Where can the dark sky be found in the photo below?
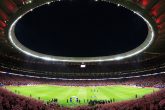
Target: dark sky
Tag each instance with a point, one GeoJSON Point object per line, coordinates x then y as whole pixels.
{"type": "Point", "coordinates": [81, 29]}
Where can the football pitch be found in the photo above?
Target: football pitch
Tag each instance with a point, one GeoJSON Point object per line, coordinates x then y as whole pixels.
{"type": "Point", "coordinates": [84, 94]}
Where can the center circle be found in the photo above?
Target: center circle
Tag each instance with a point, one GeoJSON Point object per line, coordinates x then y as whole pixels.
{"type": "Point", "coordinates": [81, 29]}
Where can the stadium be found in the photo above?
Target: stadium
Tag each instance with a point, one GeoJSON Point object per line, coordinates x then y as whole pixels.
{"type": "Point", "coordinates": [82, 55]}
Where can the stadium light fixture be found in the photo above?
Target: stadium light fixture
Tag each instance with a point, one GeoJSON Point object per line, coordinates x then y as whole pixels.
{"type": "Point", "coordinates": [83, 66]}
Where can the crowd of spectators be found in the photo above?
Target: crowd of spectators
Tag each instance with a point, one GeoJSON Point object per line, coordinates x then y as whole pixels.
{"type": "Point", "coordinates": [7, 79]}
{"type": "Point", "coordinates": [155, 101]}
{"type": "Point", "coordinates": [11, 101]}
{"type": "Point", "coordinates": [157, 81]}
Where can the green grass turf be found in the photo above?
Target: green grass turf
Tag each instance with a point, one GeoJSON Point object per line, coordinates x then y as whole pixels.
{"type": "Point", "coordinates": [62, 93]}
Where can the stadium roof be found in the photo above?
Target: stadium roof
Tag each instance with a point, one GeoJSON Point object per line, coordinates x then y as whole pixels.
{"type": "Point", "coordinates": [15, 55]}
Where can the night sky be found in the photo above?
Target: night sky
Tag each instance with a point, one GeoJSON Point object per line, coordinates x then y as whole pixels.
{"type": "Point", "coordinates": [81, 29]}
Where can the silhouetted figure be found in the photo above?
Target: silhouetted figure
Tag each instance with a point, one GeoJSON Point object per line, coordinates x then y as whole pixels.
{"type": "Point", "coordinates": [136, 96]}
{"type": "Point", "coordinates": [71, 100]}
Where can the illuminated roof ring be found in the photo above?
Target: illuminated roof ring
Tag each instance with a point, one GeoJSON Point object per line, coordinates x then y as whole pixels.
{"type": "Point", "coordinates": [137, 10]}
